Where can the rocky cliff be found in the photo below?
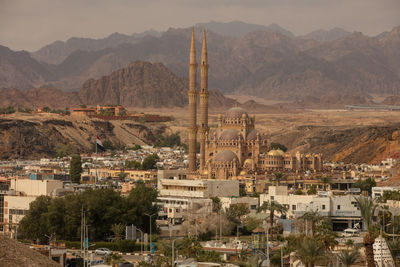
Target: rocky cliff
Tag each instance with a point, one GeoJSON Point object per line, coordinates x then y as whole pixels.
{"type": "Point", "coordinates": [35, 136]}
{"type": "Point", "coordinates": [359, 144]}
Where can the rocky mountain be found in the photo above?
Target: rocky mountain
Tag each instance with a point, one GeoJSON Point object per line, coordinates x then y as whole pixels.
{"type": "Point", "coordinates": [56, 52]}
{"type": "Point", "coordinates": [19, 69]}
{"type": "Point", "coordinates": [141, 84]}
{"type": "Point", "coordinates": [327, 35]}
{"type": "Point", "coordinates": [239, 28]}
{"type": "Point", "coordinates": [262, 63]}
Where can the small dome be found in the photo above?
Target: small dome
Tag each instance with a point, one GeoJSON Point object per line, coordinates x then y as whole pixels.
{"type": "Point", "coordinates": [252, 135]}
{"type": "Point", "coordinates": [276, 152]}
{"type": "Point", "coordinates": [226, 156]}
{"type": "Point", "coordinates": [229, 134]}
{"type": "Point", "coordinates": [243, 173]}
{"type": "Point", "coordinates": [248, 162]}
{"type": "Point", "coordinates": [235, 113]}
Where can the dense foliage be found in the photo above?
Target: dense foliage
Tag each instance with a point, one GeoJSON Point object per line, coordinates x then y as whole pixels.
{"type": "Point", "coordinates": [75, 168]}
{"type": "Point", "coordinates": [7, 110]}
{"type": "Point", "coordinates": [149, 162]}
{"type": "Point", "coordinates": [171, 140]}
{"type": "Point", "coordinates": [104, 208]}
{"type": "Point", "coordinates": [278, 146]}
{"type": "Point", "coordinates": [365, 185]}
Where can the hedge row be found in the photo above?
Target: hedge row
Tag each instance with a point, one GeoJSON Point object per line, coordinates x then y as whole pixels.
{"type": "Point", "coordinates": [124, 246]}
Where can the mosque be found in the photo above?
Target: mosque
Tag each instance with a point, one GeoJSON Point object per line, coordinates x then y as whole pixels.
{"type": "Point", "coordinates": [235, 149]}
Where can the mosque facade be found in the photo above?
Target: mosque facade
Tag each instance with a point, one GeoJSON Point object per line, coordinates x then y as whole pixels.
{"type": "Point", "coordinates": [235, 149]}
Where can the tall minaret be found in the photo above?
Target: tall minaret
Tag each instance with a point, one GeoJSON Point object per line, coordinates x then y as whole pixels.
{"type": "Point", "coordinates": [203, 103]}
{"type": "Point", "coordinates": [192, 106]}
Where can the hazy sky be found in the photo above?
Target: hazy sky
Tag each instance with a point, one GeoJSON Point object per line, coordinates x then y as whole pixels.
{"type": "Point", "coordinates": [30, 24]}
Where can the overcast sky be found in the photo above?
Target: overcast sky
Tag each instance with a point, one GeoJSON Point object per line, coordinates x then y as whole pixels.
{"type": "Point", "coordinates": [31, 24]}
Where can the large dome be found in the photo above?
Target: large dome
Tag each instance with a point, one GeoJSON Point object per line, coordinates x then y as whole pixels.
{"type": "Point", "coordinates": [235, 113]}
{"type": "Point", "coordinates": [229, 134]}
{"type": "Point", "coordinates": [276, 152]}
{"type": "Point", "coordinates": [252, 135]}
{"type": "Point", "coordinates": [226, 156]}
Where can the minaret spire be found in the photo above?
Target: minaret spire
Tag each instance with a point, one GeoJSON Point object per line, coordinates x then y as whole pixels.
{"type": "Point", "coordinates": [192, 105]}
{"type": "Point", "coordinates": [204, 49]}
{"type": "Point", "coordinates": [203, 103]}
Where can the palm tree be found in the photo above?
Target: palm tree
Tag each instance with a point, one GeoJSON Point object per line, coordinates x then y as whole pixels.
{"type": "Point", "coordinates": [313, 217]}
{"type": "Point", "coordinates": [118, 230]}
{"type": "Point", "coordinates": [348, 258]}
{"type": "Point", "coordinates": [278, 177]}
{"type": "Point", "coordinates": [272, 206]}
{"type": "Point", "coordinates": [367, 208]}
{"type": "Point", "coordinates": [309, 251]}
{"type": "Point", "coordinates": [325, 181]}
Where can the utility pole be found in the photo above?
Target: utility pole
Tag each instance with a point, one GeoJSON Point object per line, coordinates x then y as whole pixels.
{"type": "Point", "coordinates": [150, 215]}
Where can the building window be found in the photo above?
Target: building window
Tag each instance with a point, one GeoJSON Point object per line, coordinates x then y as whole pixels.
{"type": "Point", "coordinates": [293, 207]}
{"type": "Point", "coordinates": [253, 207]}
{"type": "Point", "coordinates": [338, 207]}
{"type": "Point", "coordinates": [323, 207]}
{"type": "Point", "coordinates": [272, 197]}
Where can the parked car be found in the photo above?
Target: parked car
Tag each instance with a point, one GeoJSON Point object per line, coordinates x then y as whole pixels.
{"type": "Point", "coordinates": [125, 264]}
{"type": "Point", "coordinates": [351, 232]}
{"type": "Point", "coordinates": [103, 251]}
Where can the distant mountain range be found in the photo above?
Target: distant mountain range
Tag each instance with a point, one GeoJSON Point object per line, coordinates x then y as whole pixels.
{"type": "Point", "coordinates": [140, 84]}
{"type": "Point", "coordinates": [263, 62]}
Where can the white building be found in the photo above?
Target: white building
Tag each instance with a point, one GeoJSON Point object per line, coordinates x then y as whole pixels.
{"type": "Point", "coordinates": [15, 208]}
{"type": "Point", "coordinates": [177, 194]}
{"type": "Point", "coordinates": [251, 202]}
{"type": "Point", "coordinates": [35, 187]}
{"type": "Point", "coordinates": [382, 255]}
{"type": "Point", "coordinates": [342, 209]}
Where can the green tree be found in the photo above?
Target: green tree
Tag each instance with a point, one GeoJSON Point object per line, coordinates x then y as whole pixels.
{"type": "Point", "coordinates": [46, 109]}
{"type": "Point", "coordinates": [235, 213]}
{"type": "Point", "coordinates": [242, 191]}
{"type": "Point", "coordinates": [298, 192]}
{"type": "Point", "coordinates": [367, 208]}
{"type": "Point", "coordinates": [313, 217]}
{"type": "Point", "coordinates": [252, 223]}
{"type": "Point", "coordinates": [273, 207]}
{"type": "Point", "coordinates": [365, 185]}
{"type": "Point", "coordinates": [278, 146]}
{"type": "Point", "coordinates": [312, 190]}
{"type": "Point", "coordinates": [63, 150]}
{"type": "Point", "coordinates": [216, 202]}
{"type": "Point", "coordinates": [35, 224]}
{"type": "Point", "coordinates": [149, 162]}
{"type": "Point", "coordinates": [7, 110]}
{"type": "Point", "coordinates": [325, 181]}
{"type": "Point", "coordinates": [75, 169]}
{"type": "Point", "coordinates": [133, 164]}
{"type": "Point", "coordinates": [108, 145]}
{"type": "Point", "coordinates": [348, 258]}
{"type": "Point", "coordinates": [141, 200]}
{"type": "Point", "coordinates": [310, 251]}
{"type": "Point", "coordinates": [278, 178]}
{"type": "Point", "coordinates": [122, 175]}
{"type": "Point", "coordinates": [118, 231]}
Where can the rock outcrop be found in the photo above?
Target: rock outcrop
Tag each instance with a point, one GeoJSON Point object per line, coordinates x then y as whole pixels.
{"type": "Point", "coordinates": [35, 136]}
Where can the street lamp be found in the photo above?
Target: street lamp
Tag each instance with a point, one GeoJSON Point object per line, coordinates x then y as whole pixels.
{"type": "Point", "coordinates": [150, 215]}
